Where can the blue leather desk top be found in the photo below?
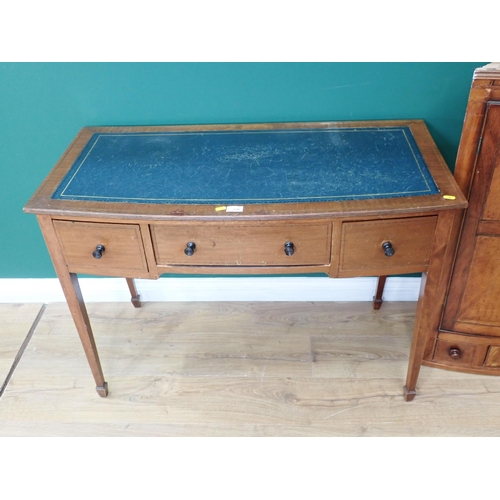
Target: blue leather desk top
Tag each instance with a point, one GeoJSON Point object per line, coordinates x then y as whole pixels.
{"type": "Point", "coordinates": [242, 167]}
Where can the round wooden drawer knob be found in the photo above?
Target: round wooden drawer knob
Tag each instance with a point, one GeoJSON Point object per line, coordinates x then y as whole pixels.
{"type": "Point", "coordinates": [289, 248]}
{"type": "Point", "coordinates": [455, 353]}
{"type": "Point", "coordinates": [190, 248]}
{"type": "Point", "coordinates": [388, 249]}
{"type": "Point", "coordinates": [99, 250]}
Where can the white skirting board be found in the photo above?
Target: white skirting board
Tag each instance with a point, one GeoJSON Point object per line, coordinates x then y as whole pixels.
{"type": "Point", "coordinates": [284, 289]}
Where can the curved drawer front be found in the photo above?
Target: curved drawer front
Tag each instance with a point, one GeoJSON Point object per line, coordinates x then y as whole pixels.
{"type": "Point", "coordinates": [493, 357]}
{"type": "Point", "coordinates": [407, 248]}
{"type": "Point", "coordinates": [453, 353]}
{"type": "Point", "coordinates": [242, 244]}
{"type": "Point", "coordinates": [469, 353]}
{"type": "Point", "coordinates": [123, 253]}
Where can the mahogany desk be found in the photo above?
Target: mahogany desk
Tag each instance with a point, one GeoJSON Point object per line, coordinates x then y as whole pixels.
{"type": "Point", "coordinates": [346, 199]}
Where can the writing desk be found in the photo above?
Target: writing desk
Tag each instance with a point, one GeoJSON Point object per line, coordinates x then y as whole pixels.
{"type": "Point", "coordinates": [346, 199]}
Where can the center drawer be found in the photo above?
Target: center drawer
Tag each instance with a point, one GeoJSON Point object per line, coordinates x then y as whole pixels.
{"type": "Point", "coordinates": [242, 244]}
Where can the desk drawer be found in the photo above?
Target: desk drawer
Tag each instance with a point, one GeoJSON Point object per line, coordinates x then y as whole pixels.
{"type": "Point", "coordinates": [248, 244]}
{"type": "Point", "coordinates": [123, 253]}
{"type": "Point", "coordinates": [409, 241]}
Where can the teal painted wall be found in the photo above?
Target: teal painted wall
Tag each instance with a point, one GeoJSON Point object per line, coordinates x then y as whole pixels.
{"type": "Point", "coordinates": [44, 105]}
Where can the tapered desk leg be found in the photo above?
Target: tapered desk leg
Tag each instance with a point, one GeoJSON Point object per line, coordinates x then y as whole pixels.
{"type": "Point", "coordinates": [74, 299]}
{"type": "Point", "coordinates": [432, 296]}
{"type": "Point", "coordinates": [136, 298]}
{"type": "Point", "coordinates": [377, 300]}
{"type": "Point", "coordinates": [80, 317]}
{"type": "Point", "coordinates": [417, 344]}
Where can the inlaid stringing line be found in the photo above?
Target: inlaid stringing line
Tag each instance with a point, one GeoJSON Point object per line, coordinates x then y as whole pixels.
{"type": "Point", "coordinates": [269, 199]}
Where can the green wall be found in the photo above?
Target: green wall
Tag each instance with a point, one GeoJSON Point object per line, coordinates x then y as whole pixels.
{"type": "Point", "coordinates": [44, 105]}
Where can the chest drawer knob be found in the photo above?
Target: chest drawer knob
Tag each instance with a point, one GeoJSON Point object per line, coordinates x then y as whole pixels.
{"type": "Point", "coordinates": [99, 250]}
{"type": "Point", "coordinates": [289, 248]}
{"type": "Point", "coordinates": [190, 248]}
{"type": "Point", "coordinates": [455, 353]}
{"type": "Point", "coordinates": [388, 249]}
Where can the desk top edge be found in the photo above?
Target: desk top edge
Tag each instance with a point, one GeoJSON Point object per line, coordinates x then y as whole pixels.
{"type": "Point", "coordinates": [208, 127]}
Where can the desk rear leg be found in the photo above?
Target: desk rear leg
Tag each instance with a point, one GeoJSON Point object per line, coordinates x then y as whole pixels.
{"type": "Point", "coordinates": [377, 300]}
{"type": "Point", "coordinates": [136, 298]}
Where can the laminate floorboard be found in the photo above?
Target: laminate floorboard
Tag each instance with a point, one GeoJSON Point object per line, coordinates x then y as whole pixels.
{"type": "Point", "coordinates": [239, 369]}
{"type": "Point", "coordinates": [15, 323]}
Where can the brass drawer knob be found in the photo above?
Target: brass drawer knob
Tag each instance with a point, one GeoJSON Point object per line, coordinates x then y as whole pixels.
{"type": "Point", "coordinates": [190, 248]}
{"type": "Point", "coordinates": [289, 248]}
{"type": "Point", "coordinates": [99, 250]}
{"type": "Point", "coordinates": [388, 249]}
{"type": "Point", "coordinates": [455, 353]}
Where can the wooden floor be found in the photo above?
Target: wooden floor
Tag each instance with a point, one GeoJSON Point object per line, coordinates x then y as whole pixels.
{"type": "Point", "coordinates": [233, 369]}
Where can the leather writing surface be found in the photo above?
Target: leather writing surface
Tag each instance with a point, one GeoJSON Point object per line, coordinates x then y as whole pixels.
{"type": "Point", "coordinates": [242, 167]}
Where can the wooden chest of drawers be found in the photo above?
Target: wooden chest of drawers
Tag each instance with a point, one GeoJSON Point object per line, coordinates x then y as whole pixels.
{"type": "Point", "coordinates": [468, 338]}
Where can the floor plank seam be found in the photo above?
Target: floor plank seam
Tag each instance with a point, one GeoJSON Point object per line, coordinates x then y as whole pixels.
{"type": "Point", "coordinates": [22, 349]}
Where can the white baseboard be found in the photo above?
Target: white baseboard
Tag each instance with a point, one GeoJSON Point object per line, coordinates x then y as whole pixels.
{"type": "Point", "coordinates": [293, 289]}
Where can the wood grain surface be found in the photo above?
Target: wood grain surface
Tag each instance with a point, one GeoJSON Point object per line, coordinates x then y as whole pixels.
{"type": "Point", "coordinates": [238, 369]}
{"type": "Point", "coordinates": [15, 323]}
{"type": "Point", "coordinates": [236, 244]}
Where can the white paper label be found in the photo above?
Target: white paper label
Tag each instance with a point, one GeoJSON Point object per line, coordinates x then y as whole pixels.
{"type": "Point", "coordinates": [234, 208]}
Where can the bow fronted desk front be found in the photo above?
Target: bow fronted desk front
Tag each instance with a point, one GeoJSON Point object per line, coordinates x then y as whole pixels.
{"type": "Point", "coordinates": [340, 198]}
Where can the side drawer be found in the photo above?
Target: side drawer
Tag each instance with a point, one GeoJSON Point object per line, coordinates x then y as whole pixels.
{"type": "Point", "coordinates": [242, 244]}
{"type": "Point", "coordinates": [123, 253]}
{"type": "Point", "coordinates": [493, 357]}
{"type": "Point", "coordinates": [362, 246]}
{"type": "Point", "coordinates": [467, 353]}
{"type": "Point", "coordinates": [452, 353]}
